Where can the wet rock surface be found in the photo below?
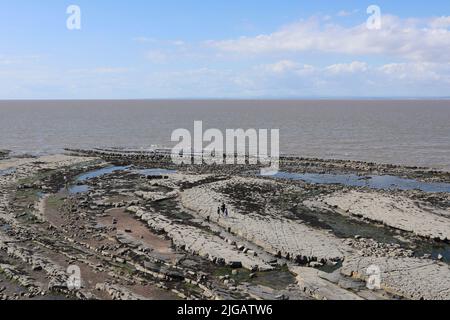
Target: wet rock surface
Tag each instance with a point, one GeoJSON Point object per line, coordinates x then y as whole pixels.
{"type": "Point", "coordinates": [109, 224]}
{"type": "Point", "coordinates": [410, 278]}
{"type": "Point", "coordinates": [4, 154]}
{"type": "Point", "coordinates": [269, 230]}
{"type": "Point", "coordinates": [202, 243]}
{"type": "Point", "coordinates": [394, 211]}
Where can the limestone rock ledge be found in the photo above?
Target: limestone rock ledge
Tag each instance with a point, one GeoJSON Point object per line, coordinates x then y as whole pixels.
{"type": "Point", "coordinates": [411, 278]}
{"type": "Point", "coordinates": [200, 242]}
{"type": "Point", "coordinates": [311, 283]}
{"type": "Point", "coordinates": [277, 235]}
{"type": "Point", "coordinates": [394, 211]}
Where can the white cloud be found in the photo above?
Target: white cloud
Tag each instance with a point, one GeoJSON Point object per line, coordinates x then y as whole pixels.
{"type": "Point", "coordinates": [353, 67]}
{"type": "Point", "coordinates": [291, 78]}
{"type": "Point", "coordinates": [430, 72]}
{"type": "Point", "coordinates": [289, 66]}
{"type": "Point", "coordinates": [283, 78]}
{"type": "Point", "coordinates": [440, 23]}
{"type": "Point", "coordinates": [413, 39]}
{"type": "Point", "coordinates": [157, 57]}
{"type": "Point", "coordinates": [286, 66]}
{"type": "Point", "coordinates": [282, 66]}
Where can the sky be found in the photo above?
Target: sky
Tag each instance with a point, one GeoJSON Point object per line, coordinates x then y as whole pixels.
{"type": "Point", "coordinates": [144, 49]}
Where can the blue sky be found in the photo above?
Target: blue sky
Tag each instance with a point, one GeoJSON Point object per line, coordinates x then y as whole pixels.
{"type": "Point", "coordinates": [223, 49]}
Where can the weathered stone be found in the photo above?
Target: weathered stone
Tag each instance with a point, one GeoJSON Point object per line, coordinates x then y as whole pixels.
{"type": "Point", "coordinates": [309, 281]}
{"type": "Point", "coordinates": [394, 211]}
{"type": "Point", "coordinates": [411, 278]}
{"type": "Point", "coordinates": [200, 242]}
{"type": "Point", "coordinates": [275, 234]}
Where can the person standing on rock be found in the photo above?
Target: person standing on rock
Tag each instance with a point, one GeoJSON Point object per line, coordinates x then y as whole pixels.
{"type": "Point", "coordinates": [225, 212]}
{"type": "Point", "coordinates": [223, 207]}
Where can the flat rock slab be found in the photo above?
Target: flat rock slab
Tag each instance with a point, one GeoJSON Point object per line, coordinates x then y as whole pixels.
{"type": "Point", "coordinates": [119, 293]}
{"type": "Point", "coordinates": [57, 275]}
{"type": "Point", "coordinates": [275, 234]}
{"type": "Point", "coordinates": [200, 242]}
{"type": "Point", "coordinates": [394, 211]}
{"type": "Point", "coordinates": [309, 281]}
{"type": "Point", "coordinates": [260, 292]}
{"type": "Point", "coordinates": [45, 162]}
{"type": "Point", "coordinates": [411, 278]}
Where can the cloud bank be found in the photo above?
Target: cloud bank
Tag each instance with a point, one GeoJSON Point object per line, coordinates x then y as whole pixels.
{"type": "Point", "coordinates": [412, 39]}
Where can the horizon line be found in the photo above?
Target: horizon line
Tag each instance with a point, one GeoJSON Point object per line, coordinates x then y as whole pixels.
{"type": "Point", "coordinates": [238, 99]}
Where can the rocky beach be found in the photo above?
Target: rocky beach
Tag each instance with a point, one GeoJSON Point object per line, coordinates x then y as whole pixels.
{"type": "Point", "coordinates": [135, 226]}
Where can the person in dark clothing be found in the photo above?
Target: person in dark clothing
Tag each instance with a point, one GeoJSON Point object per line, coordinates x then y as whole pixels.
{"type": "Point", "coordinates": [223, 207]}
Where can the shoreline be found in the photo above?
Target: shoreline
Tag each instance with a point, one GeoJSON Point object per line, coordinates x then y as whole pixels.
{"type": "Point", "coordinates": [26, 154]}
{"type": "Point", "coordinates": [149, 234]}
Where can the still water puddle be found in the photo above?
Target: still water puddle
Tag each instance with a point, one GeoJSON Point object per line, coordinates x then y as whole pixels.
{"type": "Point", "coordinates": [100, 172]}
{"type": "Point", "coordinates": [374, 182]}
{"type": "Point", "coordinates": [7, 172]}
{"type": "Point", "coordinates": [82, 188]}
{"type": "Point", "coordinates": [155, 172]}
{"type": "Point", "coordinates": [78, 189]}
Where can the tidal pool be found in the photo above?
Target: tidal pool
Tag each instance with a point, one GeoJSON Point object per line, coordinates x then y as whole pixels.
{"type": "Point", "coordinates": [385, 182]}
{"type": "Point", "coordinates": [100, 172]}
{"type": "Point", "coordinates": [82, 188]}
{"type": "Point", "coordinates": [155, 172]}
{"type": "Point", "coordinates": [7, 171]}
